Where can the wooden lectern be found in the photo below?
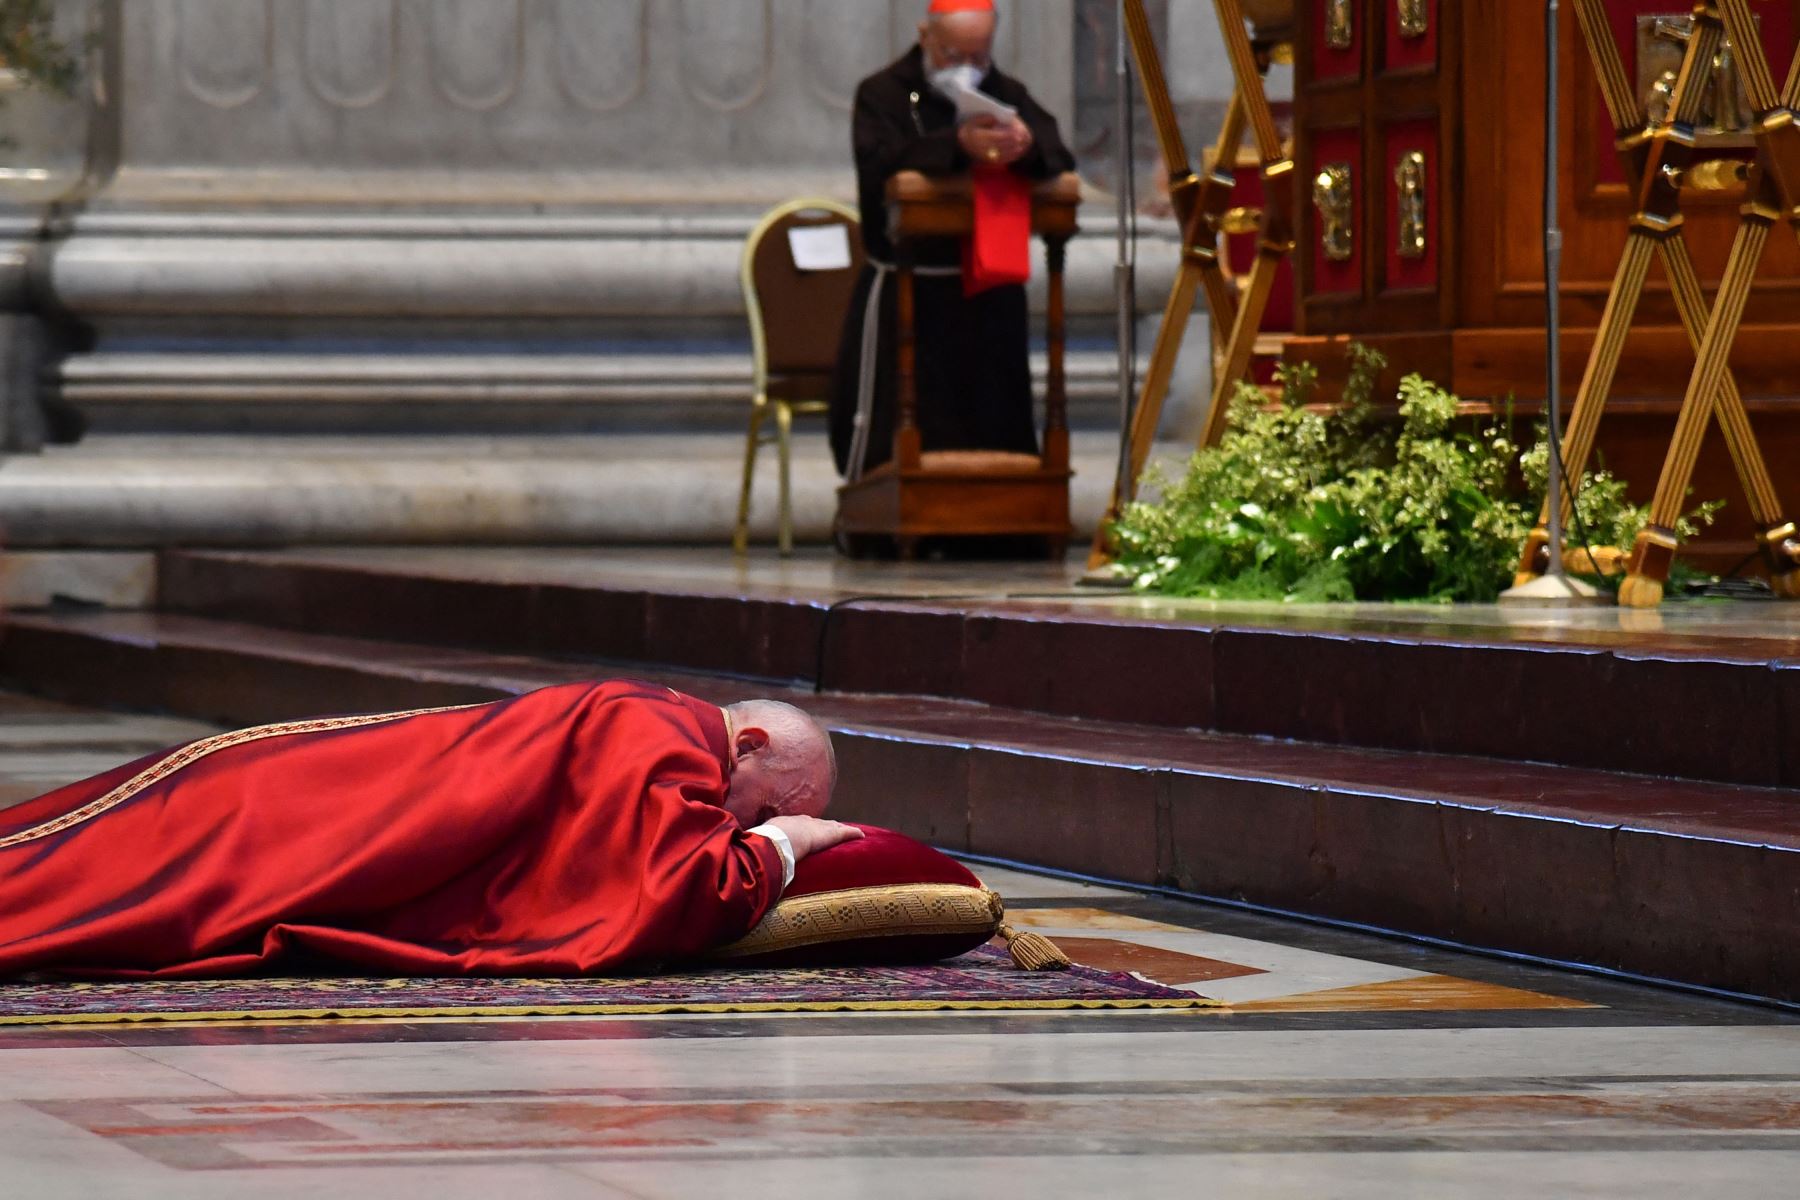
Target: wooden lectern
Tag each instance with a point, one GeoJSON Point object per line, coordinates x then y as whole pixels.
{"type": "Point", "coordinates": [922, 493]}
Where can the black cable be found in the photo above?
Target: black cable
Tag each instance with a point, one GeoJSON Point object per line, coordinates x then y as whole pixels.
{"type": "Point", "coordinates": [1572, 489]}
{"type": "Point", "coordinates": [1742, 563]}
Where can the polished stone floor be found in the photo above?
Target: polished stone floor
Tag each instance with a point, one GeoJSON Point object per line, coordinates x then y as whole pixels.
{"type": "Point", "coordinates": [1346, 1066]}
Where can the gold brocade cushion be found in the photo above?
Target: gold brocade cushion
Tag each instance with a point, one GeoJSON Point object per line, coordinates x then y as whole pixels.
{"type": "Point", "coordinates": [884, 898]}
{"type": "Point", "coordinates": [888, 923]}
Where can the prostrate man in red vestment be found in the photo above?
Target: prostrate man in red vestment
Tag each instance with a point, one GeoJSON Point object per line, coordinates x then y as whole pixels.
{"type": "Point", "coordinates": [564, 832]}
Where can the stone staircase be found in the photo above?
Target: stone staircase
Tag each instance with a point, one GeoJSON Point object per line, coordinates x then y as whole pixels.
{"type": "Point", "coordinates": [1364, 775]}
{"type": "Point", "coordinates": [148, 490]}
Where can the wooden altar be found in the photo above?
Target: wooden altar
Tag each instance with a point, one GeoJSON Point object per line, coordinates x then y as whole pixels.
{"type": "Point", "coordinates": [1420, 150]}
{"type": "Point", "coordinates": [924, 493]}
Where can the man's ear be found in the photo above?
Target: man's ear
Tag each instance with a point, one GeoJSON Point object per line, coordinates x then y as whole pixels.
{"type": "Point", "coordinates": [750, 740]}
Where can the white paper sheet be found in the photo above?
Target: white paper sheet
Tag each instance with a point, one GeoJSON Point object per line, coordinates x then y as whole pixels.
{"type": "Point", "coordinates": [972, 103]}
{"type": "Point", "coordinates": [820, 247]}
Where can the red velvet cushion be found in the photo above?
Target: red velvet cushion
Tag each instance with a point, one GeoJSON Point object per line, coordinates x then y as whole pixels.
{"type": "Point", "coordinates": [886, 933]}
{"type": "Point", "coordinates": [880, 856]}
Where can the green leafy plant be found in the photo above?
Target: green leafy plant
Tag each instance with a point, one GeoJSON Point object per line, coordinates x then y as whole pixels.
{"type": "Point", "coordinates": [1313, 503]}
{"type": "Point", "coordinates": [30, 48]}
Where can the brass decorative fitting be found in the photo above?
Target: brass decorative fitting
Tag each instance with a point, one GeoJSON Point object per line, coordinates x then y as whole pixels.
{"type": "Point", "coordinates": [1654, 553]}
{"type": "Point", "coordinates": [1340, 30]}
{"type": "Point", "coordinates": [1716, 174]}
{"type": "Point", "coordinates": [1537, 552]}
{"type": "Point", "coordinates": [1414, 17]}
{"type": "Point", "coordinates": [1777, 533]}
{"type": "Point", "coordinates": [1781, 545]}
{"type": "Point", "coordinates": [1240, 220]}
{"type": "Point", "coordinates": [1409, 183]}
{"type": "Point", "coordinates": [1724, 115]}
{"type": "Point", "coordinates": [1332, 196]}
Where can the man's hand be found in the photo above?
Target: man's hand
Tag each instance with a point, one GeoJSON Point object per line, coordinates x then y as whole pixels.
{"type": "Point", "coordinates": [988, 139]}
{"type": "Point", "coordinates": [810, 835]}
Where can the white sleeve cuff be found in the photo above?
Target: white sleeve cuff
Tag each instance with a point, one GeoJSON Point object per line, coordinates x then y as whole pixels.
{"type": "Point", "coordinates": [783, 847]}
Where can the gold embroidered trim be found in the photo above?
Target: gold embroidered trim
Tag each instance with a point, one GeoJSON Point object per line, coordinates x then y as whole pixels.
{"type": "Point", "coordinates": [193, 753]}
{"type": "Point", "coordinates": [350, 1013]}
{"type": "Point", "coordinates": [894, 910]}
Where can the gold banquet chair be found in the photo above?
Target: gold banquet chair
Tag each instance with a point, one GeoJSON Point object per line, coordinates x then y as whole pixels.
{"type": "Point", "coordinates": [796, 317]}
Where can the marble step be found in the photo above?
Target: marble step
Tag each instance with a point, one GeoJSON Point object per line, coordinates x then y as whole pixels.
{"type": "Point", "coordinates": [456, 389]}
{"type": "Point", "coordinates": [1669, 879]}
{"type": "Point", "coordinates": [1469, 681]}
{"type": "Point", "coordinates": [275, 490]}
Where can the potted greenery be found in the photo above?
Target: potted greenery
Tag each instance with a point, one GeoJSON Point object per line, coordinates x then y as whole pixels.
{"type": "Point", "coordinates": [1332, 503]}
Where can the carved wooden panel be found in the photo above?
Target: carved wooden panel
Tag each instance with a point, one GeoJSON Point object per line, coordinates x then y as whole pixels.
{"type": "Point", "coordinates": [1339, 29]}
{"type": "Point", "coordinates": [1504, 178]}
{"type": "Point", "coordinates": [1336, 234]}
{"type": "Point", "coordinates": [1410, 41]}
{"type": "Point", "coordinates": [1413, 217]}
{"type": "Point", "coordinates": [1380, 109]}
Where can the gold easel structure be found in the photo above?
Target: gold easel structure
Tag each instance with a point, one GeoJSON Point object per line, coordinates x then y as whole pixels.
{"type": "Point", "coordinates": [1202, 204]}
{"type": "Point", "coordinates": [1660, 158]}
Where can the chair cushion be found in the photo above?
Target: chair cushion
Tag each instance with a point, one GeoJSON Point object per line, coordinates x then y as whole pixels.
{"type": "Point", "coordinates": [980, 462]}
{"type": "Point", "coordinates": [883, 899]}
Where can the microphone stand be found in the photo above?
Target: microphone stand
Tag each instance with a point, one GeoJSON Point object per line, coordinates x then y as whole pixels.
{"type": "Point", "coordinates": [1124, 284]}
{"type": "Point", "coordinates": [1555, 585]}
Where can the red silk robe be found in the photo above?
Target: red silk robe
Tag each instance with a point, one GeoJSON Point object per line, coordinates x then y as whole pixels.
{"type": "Point", "coordinates": [563, 832]}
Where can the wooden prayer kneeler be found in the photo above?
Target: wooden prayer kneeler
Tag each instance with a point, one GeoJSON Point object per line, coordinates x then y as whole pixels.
{"type": "Point", "coordinates": [919, 493]}
{"type": "Point", "coordinates": [1660, 159]}
{"type": "Point", "coordinates": [1202, 206]}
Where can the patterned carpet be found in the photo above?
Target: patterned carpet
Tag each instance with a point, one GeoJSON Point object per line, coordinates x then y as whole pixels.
{"type": "Point", "coordinates": [984, 979]}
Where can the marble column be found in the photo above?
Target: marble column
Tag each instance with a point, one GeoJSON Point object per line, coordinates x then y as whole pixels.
{"type": "Point", "coordinates": [46, 143]}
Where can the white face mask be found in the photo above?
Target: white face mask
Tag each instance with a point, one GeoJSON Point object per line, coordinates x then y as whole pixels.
{"type": "Point", "coordinates": [952, 80]}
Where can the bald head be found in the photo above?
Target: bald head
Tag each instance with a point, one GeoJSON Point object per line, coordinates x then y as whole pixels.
{"type": "Point", "coordinates": [782, 763]}
{"type": "Point", "coordinates": [955, 39]}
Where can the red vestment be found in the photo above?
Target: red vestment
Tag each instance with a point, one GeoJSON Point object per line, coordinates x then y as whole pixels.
{"type": "Point", "coordinates": [563, 832]}
{"type": "Point", "coordinates": [998, 252]}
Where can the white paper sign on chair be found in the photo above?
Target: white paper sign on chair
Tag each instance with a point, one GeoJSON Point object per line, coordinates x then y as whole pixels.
{"type": "Point", "coordinates": [820, 247]}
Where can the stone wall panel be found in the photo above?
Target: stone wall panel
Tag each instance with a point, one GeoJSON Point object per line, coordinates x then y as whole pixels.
{"type": "Point", "coordinates": [226, 49]}
{"type": "Point", "coordinates": [348, 47]}
{"type": "Point", "coordinates": [601, 51]}
{"type": "Point", "coordinates": [840, 42]}
{"type": "Point", "coordinates": [221, 93]}
{"type": "Point", "coordinates": [725, 52]}
{"type": "Point", "coordinates": [477, 48]}
{"type": "Point", "coordinates": [372, 184]}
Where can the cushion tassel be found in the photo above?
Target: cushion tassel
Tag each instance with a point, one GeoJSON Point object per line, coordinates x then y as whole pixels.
{"type": "Point", "coordinates": [1033, 951]}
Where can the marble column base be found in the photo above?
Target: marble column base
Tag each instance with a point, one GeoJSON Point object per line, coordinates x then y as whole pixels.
{"type": "Point", "coordinates": [140, 491]}
{"type": "Point", "coordinates": [450, 391]}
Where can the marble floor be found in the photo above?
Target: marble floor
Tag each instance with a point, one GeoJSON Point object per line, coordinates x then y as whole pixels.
{"type": "Point", "coordinates": [1345, 1066]}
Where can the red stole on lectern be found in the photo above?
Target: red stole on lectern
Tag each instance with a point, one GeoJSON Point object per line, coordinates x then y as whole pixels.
{"type": "Point", "coordinates": [999, 250]}
{"type": "Point", "coordinates": [562, 833]}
